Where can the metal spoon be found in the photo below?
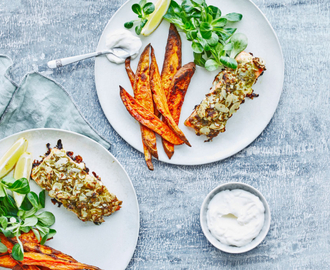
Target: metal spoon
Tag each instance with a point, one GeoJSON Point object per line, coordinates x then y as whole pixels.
{"type": "Point", "coordinates": [117, 51]}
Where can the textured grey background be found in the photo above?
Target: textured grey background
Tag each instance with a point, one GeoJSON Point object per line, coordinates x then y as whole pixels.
{"type": "Point", "coordinates": [288, 163]}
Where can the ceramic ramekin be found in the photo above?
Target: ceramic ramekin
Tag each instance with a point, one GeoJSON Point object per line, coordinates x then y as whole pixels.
{"type": "Point", "coordinates": [215, 242]}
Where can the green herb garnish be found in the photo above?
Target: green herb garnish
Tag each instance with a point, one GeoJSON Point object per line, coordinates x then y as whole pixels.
{"type": "Point", "coordinates": [143, 9]}
{"type": "Point", "coordinates": [15, 220]}
{"type": "Point", "coordinates": [214, 45]}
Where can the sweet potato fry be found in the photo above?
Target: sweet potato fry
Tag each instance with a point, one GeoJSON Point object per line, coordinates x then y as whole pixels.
{"type": "Point", "coordinates": [173, 58]}
{"type": "Point", "coordinates": [142, 94]}
{"type": "Point", "coordinates": [147, 118]}
{"type": "Point", "coordinates": [131, 76]}
{"type": "Point", "coordinates": [7, 261]}
{"type": "Point", "coordinates": [39, 259]}
{"type": "Point", "coordinates": [176, 97]}
{"type": "Point", "coordinates": [160, 98]}
{"type": "Point", "coordinates": [129, 71]}
{"type": "Point", "coordinates": [30, 237]}
{"type": "Point", "coordinates": [148, 158]}
{"type": "Point", "coordinates": [37, 248]}
{"type": "Point", "coordinates": [6, 242]}
{"type": "Point", "coordinates": [26, 267]}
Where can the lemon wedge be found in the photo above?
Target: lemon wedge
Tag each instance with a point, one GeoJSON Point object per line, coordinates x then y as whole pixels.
{"type": "Point", "coordinates": [22, 170]}
{"type": "Point", "coordinates": [156, 17]}
{"type": "Point", "coordinates": [8, 161]}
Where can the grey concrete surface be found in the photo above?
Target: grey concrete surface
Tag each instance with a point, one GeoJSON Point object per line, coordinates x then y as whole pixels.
{"type": "Point", "coordinates": [288, 163]}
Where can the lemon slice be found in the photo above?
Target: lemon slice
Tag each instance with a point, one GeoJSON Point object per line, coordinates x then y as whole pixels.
{"type": "Point", "coordinates": [22, 170]}
{"type": "Point", "coordinates": [156, 17]}
{"type": "Point", "coordinates": [8, 161]}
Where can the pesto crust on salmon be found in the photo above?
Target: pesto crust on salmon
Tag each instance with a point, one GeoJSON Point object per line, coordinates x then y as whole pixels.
{"type": "Point", "coordinates": [229, 90]}
{"type": "Point", "coordinates": [68, 182]}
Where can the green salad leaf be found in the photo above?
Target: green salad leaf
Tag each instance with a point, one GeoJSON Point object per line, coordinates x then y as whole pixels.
{"type": "Point", "coordinates": [213, 43]}
{"type": "Point", "coordinates": [3, 248]}
{"type": "Point", "coordinates": [15, 220]}
{"type": "Point", "coordinates": [143, 9]}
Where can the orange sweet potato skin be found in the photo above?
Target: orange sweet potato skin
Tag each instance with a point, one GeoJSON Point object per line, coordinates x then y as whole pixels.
{"type": "Point", "coordinates": [7, 262]}
{"type": "Point", "coordinates": [29, 237]}
{"type": "Point", "coordinates": [147, 118]}
{"type": "Point", "coordinates": [179, 89]}
{"type": "Point", "coordinates": [28, 267]}
{"type": "Point", "coordinates": [37, 248]}
{"type": "Point", "coordinates": [142, 94]}
{"type": "Point", "coordinates": [173, 58]}
{"type": "Point", "coordinates": [129, 71]}
{"type": "Point", "coordinates": [160, 98]}
{"type": "Point", "coordinates": [32, 258]}
{"type": "Point", "coordinates": [131, 76]}
{"type": "Point", "coordinates": [141, 87]}
{"type": "Point", "coordinates": [38, 257]}
{"type": "Point", "coordinates": [176, 97]}
{"type": "Point", "coordinates": [148, 158]}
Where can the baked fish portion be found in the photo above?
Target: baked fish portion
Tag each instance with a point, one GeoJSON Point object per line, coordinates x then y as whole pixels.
{"type": "Point", "coordinates": [229, 89]}
{"type": "Point", "coordinates": [67, 180]}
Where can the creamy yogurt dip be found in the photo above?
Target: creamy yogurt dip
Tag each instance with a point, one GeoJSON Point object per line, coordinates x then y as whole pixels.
{"type": "Point", "coordinates": [126, 40]}
{"type": "Point", "coordinates": [235, 217]}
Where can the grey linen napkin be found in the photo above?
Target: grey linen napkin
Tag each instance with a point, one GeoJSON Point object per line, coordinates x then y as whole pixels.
{"type": "Point", "coordinates": [38, 102]}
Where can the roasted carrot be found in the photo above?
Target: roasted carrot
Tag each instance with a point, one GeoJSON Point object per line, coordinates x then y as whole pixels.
{"type": "Point", "coordinates": [147, 118]}
{"type": "Point", "coordinates": [160, 98]}
{"type": "Point", "coordinates": [176, 97]}
{"type": "Point", "coordinates": [142, 94]}
{"type": "Point", "coordinates": [131, 76]}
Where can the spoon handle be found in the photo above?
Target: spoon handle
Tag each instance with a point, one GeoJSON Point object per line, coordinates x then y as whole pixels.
{"type": "Point", "coordinates": [68, 60]}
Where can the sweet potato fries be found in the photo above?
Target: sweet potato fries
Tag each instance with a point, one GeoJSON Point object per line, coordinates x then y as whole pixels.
{"type": "Point", "coordinates": [131, 76]}
{"type": "Point", "coordinates": [158, 94]}
{"type": "Point", "coordinates": [38, 257]}
{"type": "Point", "coordinates": [143, 95]}
{"type": "Point", "coordinates": [173, 58]}
{"type": "Point", "coordinates": [160, 98]}
{"type": "Point", "coordinates": [175, 98]}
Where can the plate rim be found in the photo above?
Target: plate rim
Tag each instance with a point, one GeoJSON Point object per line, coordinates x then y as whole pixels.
{"type": "Point", "coordinates": [108, 152]}
{"type": "Point", "coordinates": [168, 161]}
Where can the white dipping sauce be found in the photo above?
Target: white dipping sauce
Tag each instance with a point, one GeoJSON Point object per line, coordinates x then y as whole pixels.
{"type": "Point", "coordinates": [235, 217]}
{"type": "Point", "coordinates": [126, 40]}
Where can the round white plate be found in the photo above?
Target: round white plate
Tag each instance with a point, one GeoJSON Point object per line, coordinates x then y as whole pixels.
{"type": "Point", "coordinates": [110, 245]}
{"type": "Point", "coordinates": [245, 125]}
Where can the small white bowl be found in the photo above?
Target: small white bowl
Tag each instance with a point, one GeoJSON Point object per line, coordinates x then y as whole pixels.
{"type": "Point", "coordinates": [215, 242]}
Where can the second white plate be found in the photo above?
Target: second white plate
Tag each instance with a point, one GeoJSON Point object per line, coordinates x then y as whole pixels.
{"type": "Point", "coordinates": [110, 245]}
{"type": "Point", "coordinates": [245, 125]}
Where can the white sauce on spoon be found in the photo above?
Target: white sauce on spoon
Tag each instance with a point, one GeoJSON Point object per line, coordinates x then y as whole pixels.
{"type": "Point", "coordinates": [235, 217]}
{"type": "Point", "coordinates": [126, 40]}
